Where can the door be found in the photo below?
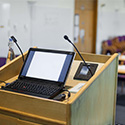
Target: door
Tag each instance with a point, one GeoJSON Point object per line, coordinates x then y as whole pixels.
{"type": "Point", "coordinates": [87, 12]}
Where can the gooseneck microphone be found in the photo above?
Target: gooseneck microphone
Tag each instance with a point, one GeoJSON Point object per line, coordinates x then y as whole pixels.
{"type": "Point", "coordinates": [66, 38]}
{"type": "Point", "coordinates": [15, 41]}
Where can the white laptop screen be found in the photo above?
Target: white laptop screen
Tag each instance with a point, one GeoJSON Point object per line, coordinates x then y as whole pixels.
{"type": "Point", "coordinates": [47, 65]}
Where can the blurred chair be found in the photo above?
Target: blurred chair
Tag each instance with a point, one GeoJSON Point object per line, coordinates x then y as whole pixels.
{"type": "Point", "coordinates": [114, 45]}
{"type": "Point", "coordinates": [2, 61]}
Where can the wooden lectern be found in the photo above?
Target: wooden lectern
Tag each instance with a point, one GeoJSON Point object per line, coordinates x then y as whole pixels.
{"type": "Point", "coordinates": [93, 104]}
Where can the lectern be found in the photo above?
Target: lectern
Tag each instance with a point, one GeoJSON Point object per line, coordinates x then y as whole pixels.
{"type": "Point", "coordinates": [93, 104]}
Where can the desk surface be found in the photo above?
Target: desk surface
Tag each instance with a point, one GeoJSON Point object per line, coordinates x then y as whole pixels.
{"type": "Point", "coordinates": [93, 103]}
{"type": "Point", "coordinates": [70, 83]}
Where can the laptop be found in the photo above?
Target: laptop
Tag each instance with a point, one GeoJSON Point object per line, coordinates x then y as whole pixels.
{"type": "Point", "coordinates": [43, 74]}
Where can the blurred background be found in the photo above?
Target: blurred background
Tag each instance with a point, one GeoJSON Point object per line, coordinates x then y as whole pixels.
{"type": "Point", "coordinates": [95, 26]}
{"type": "Point", "coordinates": [43, 23]}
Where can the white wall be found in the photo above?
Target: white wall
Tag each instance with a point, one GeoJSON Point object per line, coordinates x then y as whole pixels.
{"type": "Point", "coordinates": [40, 24]}
{"type": "Point", "coordinates": [111, 21]}
{"type": "Point", "coordinates": [4, 27]}
{"type": "Point", "coordinates": [17, 24]}
{"type": "Point", "coordinates": [51, 21]}
{"type": "Point", "coordinates": [20, 24]}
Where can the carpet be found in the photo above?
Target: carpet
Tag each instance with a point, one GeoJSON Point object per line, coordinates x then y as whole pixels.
{"type": "Point", "coordinates": [121, 100]}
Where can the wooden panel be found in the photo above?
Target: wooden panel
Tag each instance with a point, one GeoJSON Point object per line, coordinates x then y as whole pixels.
{"type": "Point", "coordinates": [88, 4]}
{"type": "Point", "coordinates": [87, 11]}
{"type": "Point", "coordinates": [7, 120]}
{"type": "Point", "coordinates": [71, 81]}
{"type": "Point", "coordinates": [96, 103]}
{"type": "Point", "coordinates": [86, 23]}
{"type": "Point", "coordinates": [93, 104]}
{"type": "Point", "coordinates": [92, 57]}
{"type": "Point", "coordinates": [40, 109]}
{"type": "Point", "coordinates": [12, 68]}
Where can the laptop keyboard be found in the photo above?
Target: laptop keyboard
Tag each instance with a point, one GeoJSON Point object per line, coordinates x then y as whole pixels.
{"type": "Point", "coordinates": [30, 87]}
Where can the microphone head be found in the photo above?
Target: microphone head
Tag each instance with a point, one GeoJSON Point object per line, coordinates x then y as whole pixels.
{"type": "Point", "coordinates": [14, 39]}
{"type": "Point", "coordinates": [66, 37]}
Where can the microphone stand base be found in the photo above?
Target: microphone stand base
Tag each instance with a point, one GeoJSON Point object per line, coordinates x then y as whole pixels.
{"type": "Point", "coordinates": [83, 72]}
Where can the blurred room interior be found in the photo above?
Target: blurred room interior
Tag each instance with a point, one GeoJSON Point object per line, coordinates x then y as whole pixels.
{"type": "Point", "coordinates": [95, 26]}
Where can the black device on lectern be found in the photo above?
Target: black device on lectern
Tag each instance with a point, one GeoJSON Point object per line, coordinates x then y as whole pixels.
{"type": "Point", "coordinates": [43, 74]}
{"type": "Point", "coordinates": [85, 70]}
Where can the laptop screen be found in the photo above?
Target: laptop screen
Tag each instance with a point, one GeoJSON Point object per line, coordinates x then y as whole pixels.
{"type": "Point", "coordinates": [49, 65]}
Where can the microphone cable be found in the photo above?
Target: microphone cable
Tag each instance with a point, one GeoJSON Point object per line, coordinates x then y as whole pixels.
{"type": "Point", "coordinates": [3, 81]}
{"type": "Point", "coordinates": [69, 94]}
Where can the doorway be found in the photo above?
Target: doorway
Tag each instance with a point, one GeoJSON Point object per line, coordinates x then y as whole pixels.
{"type": "Point", "coordinates": [87, 12]}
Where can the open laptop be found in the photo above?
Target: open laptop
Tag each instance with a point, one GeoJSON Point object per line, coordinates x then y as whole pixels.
{"type": "Point", "coordinates": [43, 74]}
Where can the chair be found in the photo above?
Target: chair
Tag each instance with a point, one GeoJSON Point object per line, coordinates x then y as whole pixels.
{"type": "Point", "coordinates": [2, 61]}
